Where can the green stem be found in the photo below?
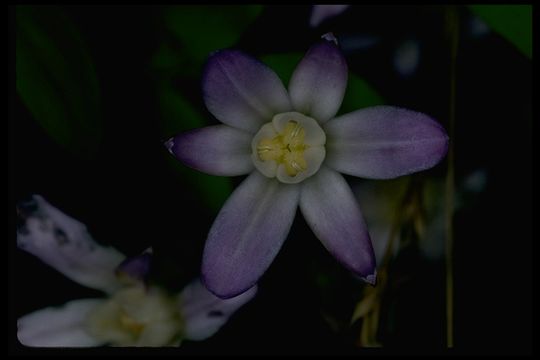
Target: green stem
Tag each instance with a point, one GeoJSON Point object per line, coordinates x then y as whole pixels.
{"type": "Point", "coordinates": [452, 23]}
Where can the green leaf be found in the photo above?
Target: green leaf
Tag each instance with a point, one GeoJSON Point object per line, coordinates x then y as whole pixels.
{"type": "Point", "coordinates": [56, 80]}
{"type": "Point", "coordinates": [203, 29]}
{"type": "Point", "coordinates": [213, 190]}
{"type": "Point", "coordinates": [359, 93]}
{"type": "Point", "coordinates": [197, 31]}
{"type": "Point", "coordinates": [283, 64]}
{"type": "Point", "coordinates": [513, 22]}
{"type": "Point", "coordinates": [179, 115]}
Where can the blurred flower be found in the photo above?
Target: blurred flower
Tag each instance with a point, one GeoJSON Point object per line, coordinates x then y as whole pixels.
{"type": "Point", "coordinates": [132, 314]}
{"type": "Point", "coordinates": [404, 214]}
{"type": "Point", "coordinates": [406, 54]}
{"type": "Point", "coordinates": [320, 13]}
{"type": "Point", "coordinates": [476, 27]}
{"type": "Point", "coordinates": [383, 201]}
{"type": "Point", "coordinates": [407, 57]}
{"type": "Point", "coordinates": [294, 147]}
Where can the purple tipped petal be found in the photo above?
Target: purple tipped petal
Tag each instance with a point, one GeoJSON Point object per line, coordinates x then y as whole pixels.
{"type": "Point", "coordinates": [242, 92]}
{"type": "Point", "coordinates": [384, 142]}
{"type": "Point", "coordinates": [371, 279]}
{"type": "Point", "coordinates": [318, 83]}
{"type": "Point", "coordinates": [330, 209]}
{"type": "Point", "coordinates": [247, 234]}
{"type": "Point", "coordinates": [62, 326]}
{"type": "Point", "coordinates": [64, 243]}
{"type": "Point", "coordinates": [204, 313]}
{"type": "Point", "coordinates": [217, 150]}
{"type": "Point", "coordinates": [137, 267]}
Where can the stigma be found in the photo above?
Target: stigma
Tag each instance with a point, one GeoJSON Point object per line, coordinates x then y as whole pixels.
{"type": "Point", "coordinates": [290, 147]}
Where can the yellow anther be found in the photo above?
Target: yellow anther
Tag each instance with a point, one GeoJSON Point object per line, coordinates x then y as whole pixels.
{"type": "Point", "coordinates": [269, 149]}
{"type": "Point", "coordinates": [286, 148]}
{"type": "Point", "coordinates": [289, 148]}
{"type": "Point", "coordinates": [296, 166]}
{"type": "Point", "coordinates": [294, 162]}
{"type": "Point", "coordinates": [293, 135]}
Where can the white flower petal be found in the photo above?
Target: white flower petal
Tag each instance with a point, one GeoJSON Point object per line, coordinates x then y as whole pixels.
{"type": "Point", "coordinates": [241, 91]}
{"type": "Point", "coordinates": [384, 142]}
{"type": "Point", "coordinates": [217, 150]}
{"type": "Point", "coordinates": [319, 81]}
{"type": "Point", "coordinates": [64, 243]}
{"type": "Point", "coordinates": [204, 313]}
{"type": "Point", "coordinates": [247, 234]}
{"type": "Point", "coordinates": [330, 209]}
{"type": "Point", "coordinates": [58, 326]}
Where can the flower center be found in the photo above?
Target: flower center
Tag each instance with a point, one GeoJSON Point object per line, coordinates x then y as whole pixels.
{"type": "Point", "coordinates": [287, 148]}
{"type": "Point", "coordinates": [291, 147]}
{"type": "Point", "coordinates": [126, 317]}
{"type": "Point", "coordinates": [130, 324]}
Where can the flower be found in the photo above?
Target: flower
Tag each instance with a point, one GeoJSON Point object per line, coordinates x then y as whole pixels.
{"type": "Point", "coordinates": [133, 314]}
{"type": "Point", "coordinates": [294, 149]}
{"type": "Point", "coordinates": [381, 201]}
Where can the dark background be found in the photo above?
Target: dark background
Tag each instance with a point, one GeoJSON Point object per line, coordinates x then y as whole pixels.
{"type": "Point", "coordinates": [129, 196]}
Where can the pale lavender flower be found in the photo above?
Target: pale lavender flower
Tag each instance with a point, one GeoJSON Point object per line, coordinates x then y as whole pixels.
{"type": "Point", "coordinates": [294, 148]}
{"type": "Point", "coordinates": [132, 314]}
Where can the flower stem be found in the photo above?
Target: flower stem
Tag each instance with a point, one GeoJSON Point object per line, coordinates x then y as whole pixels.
{"type": "Point", "coordinates": [452, 27]}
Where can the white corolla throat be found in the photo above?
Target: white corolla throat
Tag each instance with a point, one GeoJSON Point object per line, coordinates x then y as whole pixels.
{"type": "Point", "coordinates": [290, 147]}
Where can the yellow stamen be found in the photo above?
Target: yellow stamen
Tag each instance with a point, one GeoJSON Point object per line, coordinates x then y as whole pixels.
{"type": "Point", "coordinates": [286, 148]}
{"type": "Point", "coordinates": [269, 149]}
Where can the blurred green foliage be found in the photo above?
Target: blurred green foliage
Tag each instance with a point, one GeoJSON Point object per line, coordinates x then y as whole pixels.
{"type": "Point", "coordinates": [201, 30]}
{"type": "Point", "coordinates": [56, 80]}
{"type": "Point", "coordinates": [282, 64]}
{"type": "Point", "coordinates": [177, 112]}
{"type": "Point", "coordinates": [513, 22]}
{"type": "Point", "coordinates": [359, 94]}
{"type": "Point", "coordinates": [177, 115]}
{"type": "Point", "coordinates": [196, 32]}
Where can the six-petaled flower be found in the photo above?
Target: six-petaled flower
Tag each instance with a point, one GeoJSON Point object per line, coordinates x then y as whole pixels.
{"type": "Point", "coordinates": [294, 148]}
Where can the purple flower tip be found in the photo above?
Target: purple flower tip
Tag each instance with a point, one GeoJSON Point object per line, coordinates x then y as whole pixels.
{"type": "Point", "coordinates": [169, 144]}
{"type": "Point", "coordinates": [223, 295]}
{"type": "Point", "coordinates": [371, 279]}
{"type": "Point", "coordinates": [137, 267]}
{"type": "Point", "coordinates": [330, 37]}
